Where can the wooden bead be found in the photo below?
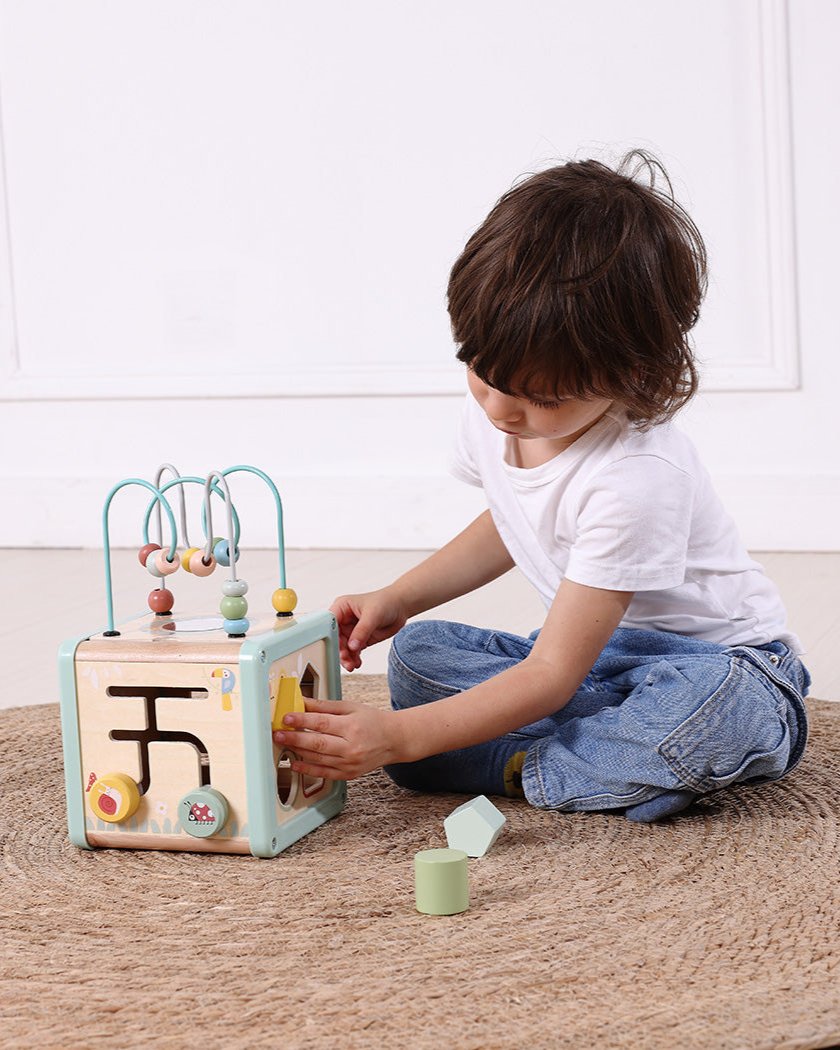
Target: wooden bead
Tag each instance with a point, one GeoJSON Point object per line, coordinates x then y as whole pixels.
{"type": "Point", "coordinates": [151, 565]}
{"type": "Point", "coordinates": [200, 567]}
{"type": "Point", "coordinates": [234, 588]}
{"type": "Point", "coordinates": [161, 600]}
{"type": "Point", "coordinates": [221, 552]}
{"type": "Point", "coordinates": [284, 600]}
{"type": "Point", "coordinates": [145, 551]}
{"type": "Point", "coordinates": [233, 608]}
{"type": "Point", "coordinates": [185, 558]}
{"type": "Point", "coordinates": [163, 565]}
{"type": "Point", "coordinates": [236, 628]}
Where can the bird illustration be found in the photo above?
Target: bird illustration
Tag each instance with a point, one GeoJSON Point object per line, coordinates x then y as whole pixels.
{"type": "Point", "coordinates": [228, 682]}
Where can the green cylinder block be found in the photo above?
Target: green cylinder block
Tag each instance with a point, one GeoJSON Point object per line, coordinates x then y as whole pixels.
{"type": "Point", "coordinates": [441, 881]}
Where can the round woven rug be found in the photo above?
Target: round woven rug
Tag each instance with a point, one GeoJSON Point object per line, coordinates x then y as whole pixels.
{"type": "Point", "coordinates": [715, 929]}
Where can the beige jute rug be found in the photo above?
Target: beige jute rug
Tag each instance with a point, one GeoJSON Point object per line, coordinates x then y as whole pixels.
{"type": "Point", "coordinates": [715, 929]}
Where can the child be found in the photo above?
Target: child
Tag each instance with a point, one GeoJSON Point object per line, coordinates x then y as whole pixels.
{"type": "Point", "coordinates": [663, 669]}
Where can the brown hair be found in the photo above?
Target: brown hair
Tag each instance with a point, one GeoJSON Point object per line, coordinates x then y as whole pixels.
{"type": "Point", "coordinates": [583, 282]}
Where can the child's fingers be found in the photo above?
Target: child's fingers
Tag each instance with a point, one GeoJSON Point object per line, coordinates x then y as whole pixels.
{"type": "Point", "coordinates": [361, 633]}
{"type": "Point", "coordinates": [349, 661]}
{"type": "Point", "coordinates": [311, 769]}
{"type": "Point", "coordinates": [325, 717]}
{"type": "Point", "coordinates": [311, 747]}
{"type": "Point", "coordinates": [331, 707]}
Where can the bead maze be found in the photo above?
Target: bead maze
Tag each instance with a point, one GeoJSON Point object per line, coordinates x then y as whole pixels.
{"type": "Point", "coordinates": [167, 719]}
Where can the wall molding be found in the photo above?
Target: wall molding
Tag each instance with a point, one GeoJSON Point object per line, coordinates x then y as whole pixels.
{"type": "Point", "coordinates": [10, 365]}
{"type": "Point", "coordinates": [779, 366]}
{"type": "Point", "coordinates": [776, 369]}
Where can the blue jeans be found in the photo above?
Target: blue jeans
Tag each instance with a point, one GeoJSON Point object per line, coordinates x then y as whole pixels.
{"type": "Point", "coordinates": [658, 712]}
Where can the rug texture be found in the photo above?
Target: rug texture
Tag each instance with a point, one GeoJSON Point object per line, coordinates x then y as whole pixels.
{"type": "Point", "coordinates": [715, 929]}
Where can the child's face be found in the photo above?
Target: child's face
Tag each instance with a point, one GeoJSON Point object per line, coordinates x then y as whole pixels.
{"type": "Point", "coordinates": [561, 422]}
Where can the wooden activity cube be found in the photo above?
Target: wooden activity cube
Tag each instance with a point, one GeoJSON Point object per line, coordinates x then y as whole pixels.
{"type": "Point", "coordinates": [167, 734]}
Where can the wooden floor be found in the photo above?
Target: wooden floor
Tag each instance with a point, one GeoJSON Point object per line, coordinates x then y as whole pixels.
{"type": "Point", "coordinates": [52, 595]}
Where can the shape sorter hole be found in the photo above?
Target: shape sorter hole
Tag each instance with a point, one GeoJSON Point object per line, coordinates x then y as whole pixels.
{"type": "Point", "coordinates": [309, 682]}
{"type": "Point", "coordinates": [287, 779]}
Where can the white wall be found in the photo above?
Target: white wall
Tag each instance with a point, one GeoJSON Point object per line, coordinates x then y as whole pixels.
{"type": "Point", "coordinates": [228, 228]}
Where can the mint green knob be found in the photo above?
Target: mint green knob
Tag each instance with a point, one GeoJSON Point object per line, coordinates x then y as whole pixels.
{"type": "Point", "coordinates": [441, 882]}
{"type": "Point", "coordinates": [203, 812]}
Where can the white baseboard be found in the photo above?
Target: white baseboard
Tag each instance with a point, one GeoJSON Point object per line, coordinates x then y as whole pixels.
{"type": "Point", "coordinates": [774, 512]}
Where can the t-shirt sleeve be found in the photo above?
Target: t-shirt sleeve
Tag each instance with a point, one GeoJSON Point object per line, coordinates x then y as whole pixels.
{"type": "Point", "coordinates": [633, 526]}
{"type": "Point", "coordinates": [462, 463]}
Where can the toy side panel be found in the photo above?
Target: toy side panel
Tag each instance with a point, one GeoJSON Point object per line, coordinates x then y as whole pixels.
{"type": "Point", "coordinates": [71, 744]}
{"type": "Point", "coordinates": [180, 731]}
{"type": "Point", "coordinates": [283, 806]}
{"type": "Point", "coordinates": [308, 665]}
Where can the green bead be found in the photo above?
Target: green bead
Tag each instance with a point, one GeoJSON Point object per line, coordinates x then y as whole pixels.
{"type": "Point", "coordinates": [233, 608]}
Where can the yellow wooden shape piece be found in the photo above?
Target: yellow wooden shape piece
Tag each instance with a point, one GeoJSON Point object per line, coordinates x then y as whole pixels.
{"type": "Point", "coordinates": [289, 700]}
{"type": "Point", "coordinates": [114, 797]}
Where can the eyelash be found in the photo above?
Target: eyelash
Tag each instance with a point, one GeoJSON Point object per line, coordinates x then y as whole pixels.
{"type": "Point", "coordinates": [545, 404]}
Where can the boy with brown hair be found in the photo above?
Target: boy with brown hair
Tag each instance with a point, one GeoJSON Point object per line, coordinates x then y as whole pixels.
{"type": "Point", "coordinates": [663, 669]}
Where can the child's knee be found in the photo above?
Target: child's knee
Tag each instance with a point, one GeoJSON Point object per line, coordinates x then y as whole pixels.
{"type": "Point", "coordinates": [412, 663]}
{"type": "Point", "coordinates": [416, 644]}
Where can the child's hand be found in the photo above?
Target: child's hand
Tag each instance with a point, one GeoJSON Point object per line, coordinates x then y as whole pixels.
{"type": "Point", "coordinates": [340, 740]}
{"type": "Point", "coordinates": [363, 620]}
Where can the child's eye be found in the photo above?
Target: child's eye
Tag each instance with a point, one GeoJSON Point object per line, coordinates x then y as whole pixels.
{"type": "Point", "coordinates": [545, 404]}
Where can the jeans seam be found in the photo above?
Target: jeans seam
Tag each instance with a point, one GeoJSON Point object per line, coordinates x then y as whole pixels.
{"type": "Point", "coordinates": [601, 796]}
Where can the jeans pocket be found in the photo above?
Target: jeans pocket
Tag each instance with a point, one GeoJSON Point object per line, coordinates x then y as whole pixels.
{"type": "Point", "coordinates": [738, 733]}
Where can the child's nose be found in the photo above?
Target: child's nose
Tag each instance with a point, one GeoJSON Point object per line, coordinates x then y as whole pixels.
{"type": "Point", "coordinates": [501, 407]}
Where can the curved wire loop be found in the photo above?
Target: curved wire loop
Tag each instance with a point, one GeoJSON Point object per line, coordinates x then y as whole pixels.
{"type": "Point", "coordinates": [212, 477]}
{"type": "Point", "coordinates": [281, 547]}
{"type": "Point", "coordinates": [185, 538]}
{"type": "Point", "coordinates": [182, 481]}
{"type": "Point", "coordinates": [106, 539]}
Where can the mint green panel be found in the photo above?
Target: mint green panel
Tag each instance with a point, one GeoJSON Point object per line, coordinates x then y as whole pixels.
{"type": "Point", "coordinates": [71, 742]}
{"type": "Point", "coordinates": [256, 656]}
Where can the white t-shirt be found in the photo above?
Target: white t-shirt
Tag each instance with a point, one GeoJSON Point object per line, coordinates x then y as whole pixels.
{"type": "Point", "coordinates": [626, 510]}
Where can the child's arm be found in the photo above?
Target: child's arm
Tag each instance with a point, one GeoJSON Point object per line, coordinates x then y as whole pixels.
{"type": "Point", "coordinates": [346, 740]}
{"type": "Point", "coordinates": [474, 557]}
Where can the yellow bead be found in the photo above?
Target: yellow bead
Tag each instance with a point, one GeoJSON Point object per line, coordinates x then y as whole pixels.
{"type": "Point", "coordinates": [284, 600]}
{"type": "Point", "coordinates": [114, 797]}
{"type": "Point", "coordinates": [185, 558]}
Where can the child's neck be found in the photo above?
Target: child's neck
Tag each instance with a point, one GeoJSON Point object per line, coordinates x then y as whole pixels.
{"type": "Point", "coordinates": [533, 452]}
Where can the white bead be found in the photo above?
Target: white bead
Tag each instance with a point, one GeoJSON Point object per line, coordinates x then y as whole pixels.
{"type": "Point", "coordinates": [234, 588]}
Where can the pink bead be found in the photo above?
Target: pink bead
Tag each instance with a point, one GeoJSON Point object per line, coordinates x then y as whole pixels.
{"type": "Point", "coordinates": [165, 567]}
{"type": "Point", "coordinates": [161, 600]}
{"type": "Point", "coordinates": [198, 566]}
{"type": "Point", "coordinates": [144, 552]}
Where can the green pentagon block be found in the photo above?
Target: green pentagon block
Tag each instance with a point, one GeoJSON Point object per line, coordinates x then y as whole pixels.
{"type": "Point", "coordinates": [474, 827]}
